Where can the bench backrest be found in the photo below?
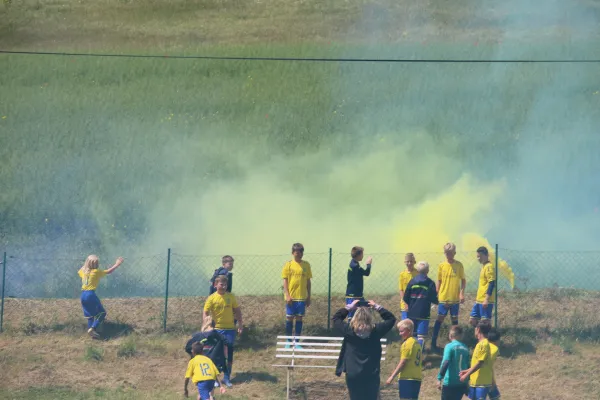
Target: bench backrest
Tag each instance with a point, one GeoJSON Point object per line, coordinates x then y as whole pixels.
{"type": "Point", "coordinates": [319, 348]}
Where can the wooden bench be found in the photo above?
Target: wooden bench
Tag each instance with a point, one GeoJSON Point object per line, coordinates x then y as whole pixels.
{"type": "Point", "coordinates": [320, 348]}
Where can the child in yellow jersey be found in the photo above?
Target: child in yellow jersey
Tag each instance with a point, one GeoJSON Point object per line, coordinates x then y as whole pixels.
{"type": "Point", "coordinates": [484, 302]}
{"type": "Point", "coordinates": [494, 340]}
{"type": "Point", "coordinates": [203, 373]}
{"type": "Point", "coordinates": [224, 310]}
{"type": "Point", "coordinates": [90, 277]}
{"type": "Point", "coordinates": [296, 275]}
{"type": "Point", "coordinates": [450, 285]}
{"type": "Point", "coordinates": [481, 373]}
{"type": "Point", "coordinates": [409, 367]}
{"type": "Point", "coordinates": [405, 277]}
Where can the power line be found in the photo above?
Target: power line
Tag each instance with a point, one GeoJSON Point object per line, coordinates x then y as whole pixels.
{"type": "Point", "coordinates": [303, 59]}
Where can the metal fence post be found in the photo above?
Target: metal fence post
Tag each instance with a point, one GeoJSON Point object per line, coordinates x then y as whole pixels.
{"type": "Point", "coordinates": [329, 294]}
{"type": "Point", "coordinates": [167, 291]}
{"type": "Point", "coordinates": [3, 287]}
{"type": "Point", "coordinates": [497, 287]}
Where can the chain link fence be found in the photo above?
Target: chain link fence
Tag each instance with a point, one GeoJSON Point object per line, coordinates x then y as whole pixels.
{"type": "Point", "coordinates": [166, 292]}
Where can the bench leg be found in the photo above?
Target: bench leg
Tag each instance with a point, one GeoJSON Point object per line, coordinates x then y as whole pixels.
{"type": "Point", "coordinates": [288, 384]}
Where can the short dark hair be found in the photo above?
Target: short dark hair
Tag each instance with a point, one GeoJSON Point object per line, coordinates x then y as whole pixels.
{"type": "Point", "coordinates": [456, 331]}
{"type": "Point", "coordinates": [297, 247]}
{"type": "Point", "coordinates": [197, 348]}
{"type": "Point", "coordinates": [483, 250]}
{"type": "Point", "coordinates": [356, 251]}
{"type": "Point", "coordinates": [494, 335]}
{"type": "Point", "coordinates": [484, 328]}
{"type": "Point", "coordinates": [226, 258]}
{"type": "Point", "coordinates": [222, 279]}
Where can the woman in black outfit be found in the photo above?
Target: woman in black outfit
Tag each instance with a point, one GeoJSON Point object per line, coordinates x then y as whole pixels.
{"type": "Point", "coordinates": [360, 355]}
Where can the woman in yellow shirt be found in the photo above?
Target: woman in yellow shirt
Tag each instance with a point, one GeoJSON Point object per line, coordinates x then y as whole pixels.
{"type": "Point", "coordinates": [90, 277]}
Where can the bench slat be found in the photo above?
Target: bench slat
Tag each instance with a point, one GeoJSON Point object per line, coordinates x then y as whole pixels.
{"type": "Point", "coordinates": [307, 344]}
{"type": "Point", "coordinates": [314, 357]}
{"type": "Point", "coordinates": [316, 338]}
{"type": "Point", "coordinates": [313, 351]}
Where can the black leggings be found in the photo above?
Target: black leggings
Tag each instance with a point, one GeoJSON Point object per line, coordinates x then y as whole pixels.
{"type": "Point", "coordinates": [363, 388]}
{"type": "Point", "coordinates": [454, 392]}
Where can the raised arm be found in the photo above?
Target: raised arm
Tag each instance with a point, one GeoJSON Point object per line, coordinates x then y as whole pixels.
{"type": "Point", "coordinates": [367, 272]}
{"type": "Point", "coordinates": [118, 262]}
{"type": "Point", "coordinates": [388, 319]}
{"type": "Point", "coordinates": [341, 314]}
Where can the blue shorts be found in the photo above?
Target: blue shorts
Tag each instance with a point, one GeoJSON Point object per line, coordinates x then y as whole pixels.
{"type": "Point", "coordinates": [349, 300]}
{"type": "Point", "coordinates": [421, 326]}
{"type": "Point", "coordinates": [443, 309]}
{"type": "Point", "coordinates": [494, 393]}
{"type": "Point", "coordinates": [230, 335]}
{"type": "Point", "coordinates": [92, 308]}
{"type": "Point", "coordinates": [404, 314]}
{"type": "Point", "coordinates": [204, 389]}
{"type": "Point", "coordinates": [478, 312]}
{"type": "Point", "coordinates": [478, 393]}
{"type": "Point", "coordinates": [409, 389]}
{"type": "Point", "coordinates": [296, 309]}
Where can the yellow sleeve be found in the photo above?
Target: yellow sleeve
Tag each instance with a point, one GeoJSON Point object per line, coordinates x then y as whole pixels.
{"type": "Point", "coordinates": [190, 369]}
{"type": "Point", "coordinates": [461, 273]}
{"type": "Point", "coordinates": [309, 272]}
{"type": "Point", "coordinates": [400, 282]}
{"type": "Point", "coordinates": [405, 351]}
{"type": "Point", "coordinates": [101, 273]}
{"type": "Point", "coordinates": [285, 273]}
{"type": "Point", "coordinates": [490, 273]}
{"type": "Point", "coordinates": [208, 304]}
{"type": "Point", "coordinates": [440, 272]}
{"type": "Point", "coordinates": [234, 303]}
{"type": "Point", "coordinates": [80, 273]}
{"type": "Point", "coordinates": [481, 353]}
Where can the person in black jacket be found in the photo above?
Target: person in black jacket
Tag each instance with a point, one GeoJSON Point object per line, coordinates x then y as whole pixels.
{"type": "Point", "coordinates": [356, 274]}
{"type": "Point", "coordinates": [214, 344]}
{"type": "Point", "coordinates": [225, 269]}
{"type": "Point", "coordinates": [419, 295]}
{"type": "Point", "coordinates": [360, 355]}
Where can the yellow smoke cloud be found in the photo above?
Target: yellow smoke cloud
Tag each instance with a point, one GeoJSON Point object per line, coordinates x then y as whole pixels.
{"type": "Point", "coordinates": [452, 216]}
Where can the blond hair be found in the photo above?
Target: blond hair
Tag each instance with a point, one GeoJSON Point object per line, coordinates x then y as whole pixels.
{"type": "Point", "coordinates": [450, 247]}
{"type": "Point", "coordinates": [207, 324]}
{"type": "Point", "coordinates": [406, 324]}
{"type": "Point", "coordinates": [422, 266]}
{"type": "Point", "coordinates": [91, 263]}
{"type": "Point", "coordinates": [362, 319]}
{"type": "Point", "coordinates": [410, 256]}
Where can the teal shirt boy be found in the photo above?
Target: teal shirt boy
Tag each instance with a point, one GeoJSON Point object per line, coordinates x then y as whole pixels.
{"type": "Point", "coordinates": [456, 359]}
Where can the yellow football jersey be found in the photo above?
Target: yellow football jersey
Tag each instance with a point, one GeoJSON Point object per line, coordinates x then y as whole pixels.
{"type": "Point", "coordinates": [90, 281]}
{"type": "Point", "coordinates": [493, 352]}
{"type": "Point", "coordinates": [201, 368]}
{"type": "Point", "coordinates": [487, 275]}
{"type": "Point", "coordinates": [297, 275]}
{"type": "Point", "coordinates": [451, 276]}
{"type": "Point", "coordinates": [484, 375]}
{"type": "Point", "coordinates": [411, 351]}
{"type": "Point", "coordinates": [220, 307]}
{"type": "Point", "coordinates": [405, 277]}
